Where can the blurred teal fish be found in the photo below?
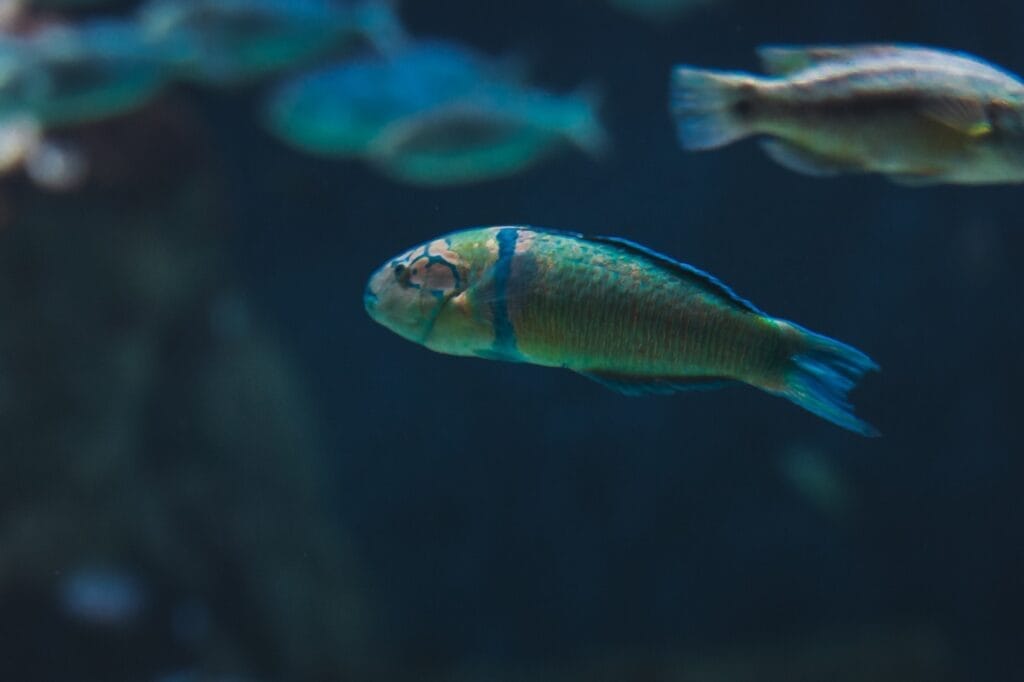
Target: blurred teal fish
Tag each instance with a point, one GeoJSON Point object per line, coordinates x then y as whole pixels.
{"type": "Point", "coordinates": [433, 113]}
{"type": "Point", "coordinates": [83, 73]}
{"type": "Point", "coordinates": [498, 132]}
{"type": "Point", "coordinates": [236, 41]}
{"type": "Point", "coordinates": [338, 110]}
{"type": "Point", "coordinates": [917, 115]}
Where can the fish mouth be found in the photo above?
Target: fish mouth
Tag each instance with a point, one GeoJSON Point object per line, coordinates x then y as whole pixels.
{"type": "Point", "coordinates": [369, 300]}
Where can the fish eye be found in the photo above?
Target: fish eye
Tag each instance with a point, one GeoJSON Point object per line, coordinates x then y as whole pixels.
{"type": "Point", "coordinates": [401, 272]}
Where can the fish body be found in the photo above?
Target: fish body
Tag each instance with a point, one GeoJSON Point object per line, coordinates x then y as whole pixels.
{"type": "Point", "coordinates": [24, 81]}
{"type": "Point", "coordinates": [90, 72]}
{"type": "Point", "coordinates": [338, 110]}
{"type": "Point", "coordinates": [609, 309]}
{"type": "Point", "coordinates": [915, 114]}
{"type": "Point", "coordinates": [433, 113]}
{"type": "Point", "coordinates": [235, 41]}
{"type": "Point", "coordinates": [496, 132]}
{"type": "Point", "coordinates": [71, 75]}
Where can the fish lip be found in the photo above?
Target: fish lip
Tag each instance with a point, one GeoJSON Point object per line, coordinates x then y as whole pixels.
{"type": "Point", "coordinates": [369, 300]}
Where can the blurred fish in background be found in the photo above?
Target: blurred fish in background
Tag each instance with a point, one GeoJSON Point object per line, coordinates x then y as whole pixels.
{"type": "Point", "coordinates": [225, 42]}
{"type": "Point", "coordinates": [338, 110]}
{"type": "Point", "coordinates": [433, 113]}
{"type": "Point", "coordinates": [84, 73]}
{"type": "Point", "coordinates": [919, 116]}
{"type": "Point", "coordinates": [63, 76]}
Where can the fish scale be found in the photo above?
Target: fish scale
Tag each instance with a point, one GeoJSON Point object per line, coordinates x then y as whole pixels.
{"type": "Point", "coordinates": [586, 303]}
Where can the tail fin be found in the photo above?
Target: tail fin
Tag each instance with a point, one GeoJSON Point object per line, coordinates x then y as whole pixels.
{"type": "Point", "coordinates": [820, 374]}
{"type": "Point", "coordinates": [378, 19]}
{"type": "Point", "coordinates": [586, 130]}
{"type": "Point", "coordinates": [706, 106]}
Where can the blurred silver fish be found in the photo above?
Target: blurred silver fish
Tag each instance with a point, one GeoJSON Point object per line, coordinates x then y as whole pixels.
{"type": "Point", "coordinates": [918, 115]}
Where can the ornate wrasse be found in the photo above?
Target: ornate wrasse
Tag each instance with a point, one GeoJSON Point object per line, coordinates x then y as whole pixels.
{"type": "Point", "coordinates": [614, 311]}
{"type": "Point", "coordinates": [916, 114]}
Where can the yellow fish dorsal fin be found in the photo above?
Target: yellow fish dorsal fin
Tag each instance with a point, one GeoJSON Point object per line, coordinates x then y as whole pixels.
{"type": "Point", "coordinates": [965, 117]}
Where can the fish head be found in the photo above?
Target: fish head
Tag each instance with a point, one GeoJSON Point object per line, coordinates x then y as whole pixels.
{"type": "Point", "coordinates": [999, 153]}
{"type": "Point", "coordinates": [1007, 117]}
{"type": "Point", "coordinates": [420, 295]}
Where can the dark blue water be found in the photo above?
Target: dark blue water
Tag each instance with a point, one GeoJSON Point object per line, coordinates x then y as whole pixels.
{"type": "Point", "coordinates": [515, 520]}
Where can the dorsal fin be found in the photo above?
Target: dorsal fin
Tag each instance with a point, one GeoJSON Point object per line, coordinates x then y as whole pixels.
{"type": "Point", "coordinates": [706, 281]}
{"type": "Point", "coordinates": [783, 60]}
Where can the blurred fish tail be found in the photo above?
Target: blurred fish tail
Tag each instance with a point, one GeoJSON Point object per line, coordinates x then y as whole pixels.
{"type": "Point", "coordinates": [378, 19]}
{"type": "Point", "coordinates": [820, 374]}
{"type": "Point", "coordinates": [711, 108]}
{"type": "Point", "coordinates": [586, 131]}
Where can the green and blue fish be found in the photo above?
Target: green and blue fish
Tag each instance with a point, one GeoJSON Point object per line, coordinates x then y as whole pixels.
{"type": "Point", "coordinates": [917, 115]}
{"type": "Point", "coordinates": [609, 309]}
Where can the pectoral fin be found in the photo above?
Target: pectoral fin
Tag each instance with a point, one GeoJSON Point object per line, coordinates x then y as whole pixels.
{"type": "Point", "coordinates": [961, 116]}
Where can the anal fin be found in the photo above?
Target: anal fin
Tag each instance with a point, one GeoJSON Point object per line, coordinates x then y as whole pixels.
{"type": "Point", "coordinates": [636, 385]}
{"type": "Point", "coordinates": [807, 162]}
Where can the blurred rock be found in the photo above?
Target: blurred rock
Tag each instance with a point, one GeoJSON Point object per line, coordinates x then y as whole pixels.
{"type": "Point", "coordinates": [139, 431]}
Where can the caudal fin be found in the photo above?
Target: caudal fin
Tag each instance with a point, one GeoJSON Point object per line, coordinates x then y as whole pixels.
{"type": "Point", "coordinates": [584, 128]}
{"type": "Point", "coordinates": [708, 106]}
{"type": "Point", "coordinates": [821, 372]}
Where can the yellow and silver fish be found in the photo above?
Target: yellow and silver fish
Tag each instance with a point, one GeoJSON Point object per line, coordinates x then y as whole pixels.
{"type": "Point", "coordinates": [917, 115]}
{"type": "Point", "coordinates": [611, 310]}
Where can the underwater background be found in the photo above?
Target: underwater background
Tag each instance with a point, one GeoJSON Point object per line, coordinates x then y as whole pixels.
{"type": "Point", "coordinates": [217, 467]}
